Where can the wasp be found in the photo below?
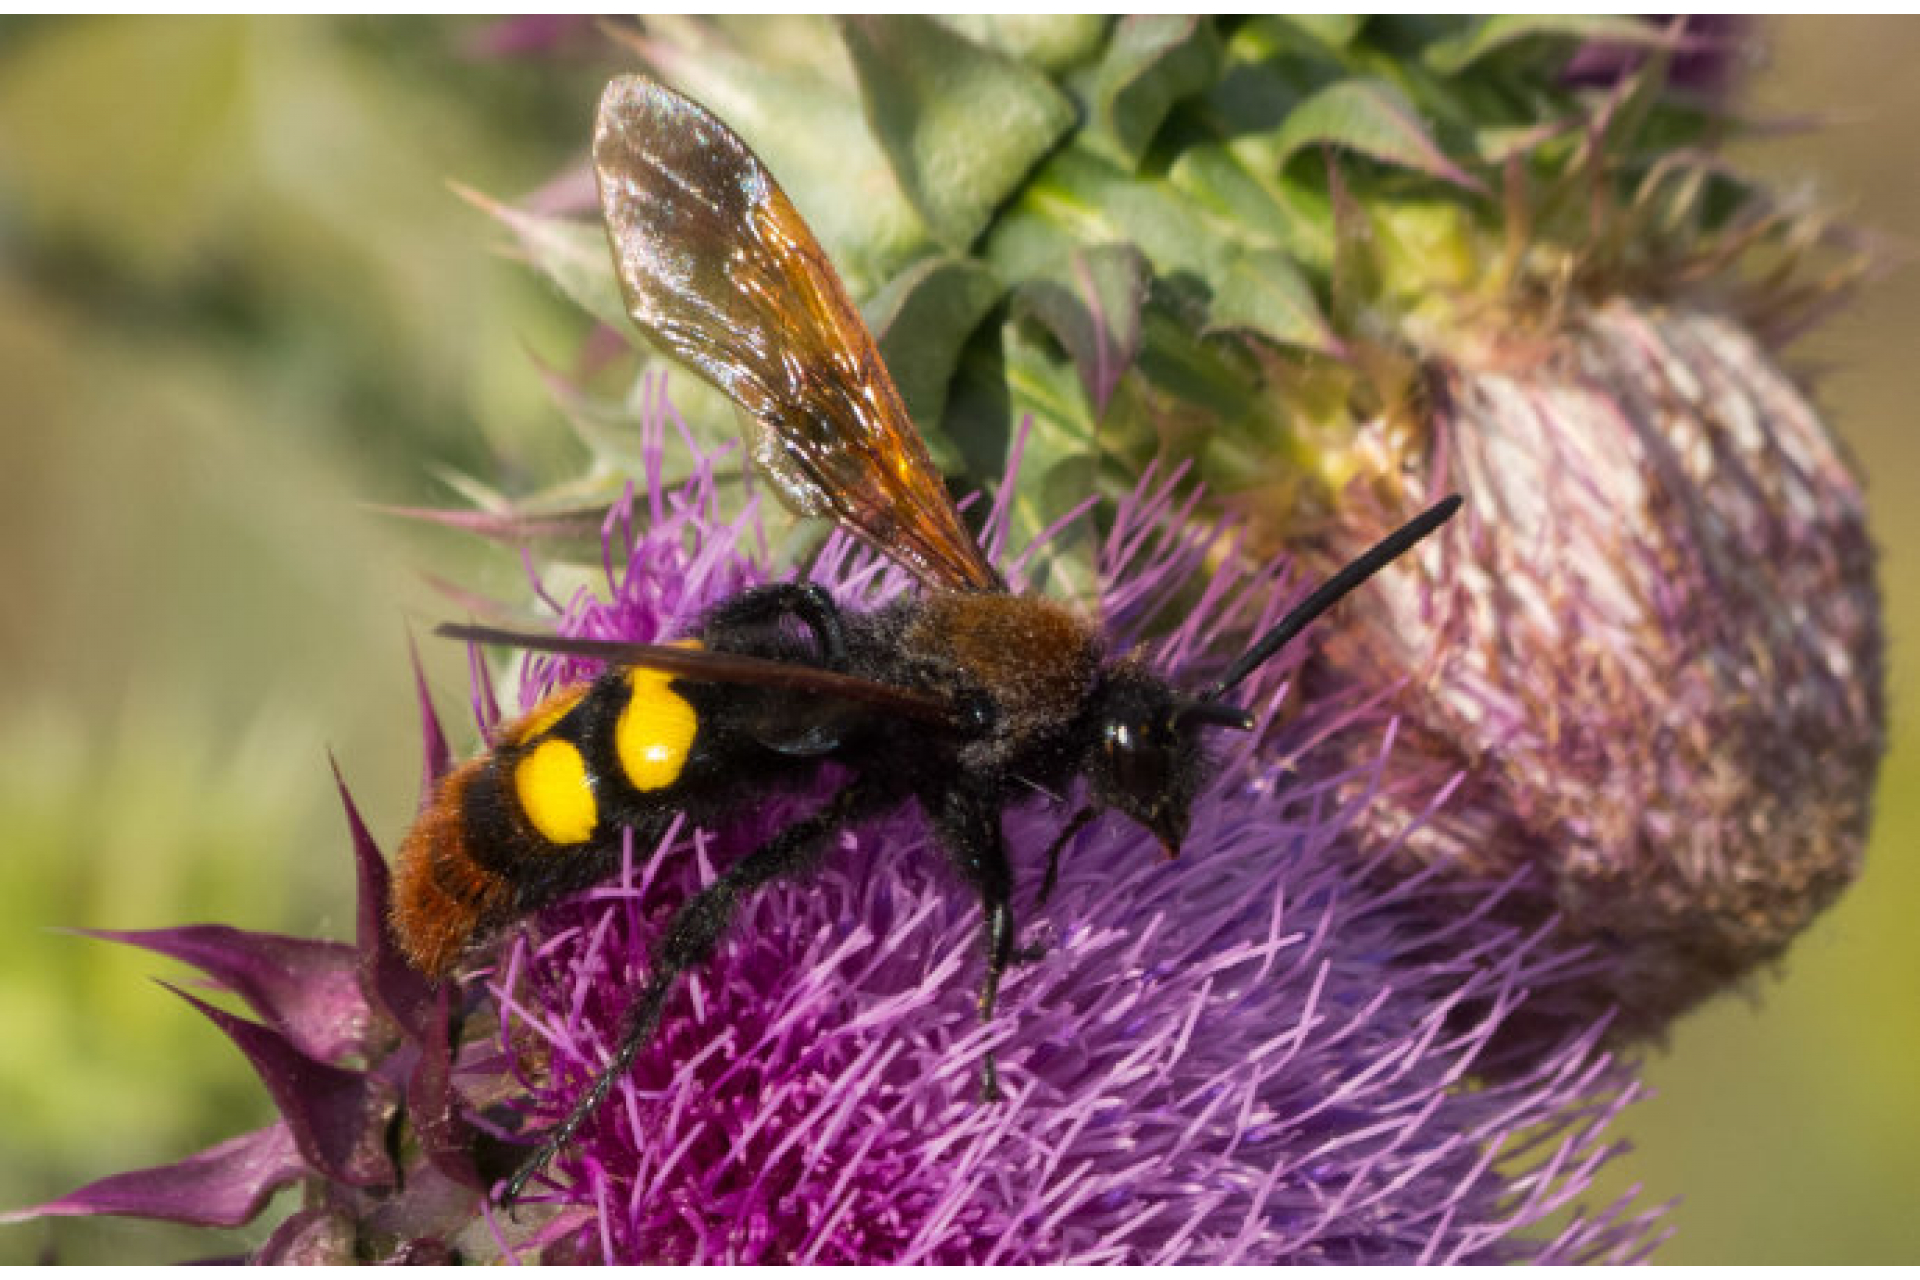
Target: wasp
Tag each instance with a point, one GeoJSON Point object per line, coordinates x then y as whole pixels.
{"type": "Point", "coordinates": [958, 700]}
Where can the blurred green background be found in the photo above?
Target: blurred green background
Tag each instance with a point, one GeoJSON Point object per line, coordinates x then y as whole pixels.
{"type": "Point", "coordinates": [238, 303]}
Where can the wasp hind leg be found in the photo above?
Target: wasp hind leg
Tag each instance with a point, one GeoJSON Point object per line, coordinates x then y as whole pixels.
{"type": "Point", "coordinates": [689, 941]}
{"type": "Point", "coordinates": [807, 601]}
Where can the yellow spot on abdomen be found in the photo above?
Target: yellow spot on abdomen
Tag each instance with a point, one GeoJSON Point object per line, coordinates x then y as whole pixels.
{"type": "Point", "coordinates": [655, 731]}
{"type": "Point", "coordinates": [546, 715]}
{"type": "Point", "coordinates": [555, 793]}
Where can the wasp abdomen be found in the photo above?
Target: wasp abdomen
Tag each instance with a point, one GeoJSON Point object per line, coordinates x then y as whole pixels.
{"type": "Point", "coordinates": [442, 894]}
{"type": "Point", "coordinates": [534, 817]}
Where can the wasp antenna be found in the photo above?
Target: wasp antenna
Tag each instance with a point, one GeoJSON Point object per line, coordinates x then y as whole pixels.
{"type": "Point", "coordinates": [1330, 593]}
{"type": "Point", "coordinates": [476, 634]}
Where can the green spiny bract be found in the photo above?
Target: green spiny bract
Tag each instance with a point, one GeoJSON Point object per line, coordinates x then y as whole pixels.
{"type": "Point", "coordinates": [1342, 263]}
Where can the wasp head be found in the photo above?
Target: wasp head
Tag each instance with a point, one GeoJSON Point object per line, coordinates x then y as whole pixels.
{"type": "Point", "coordinates": [1147, 760]}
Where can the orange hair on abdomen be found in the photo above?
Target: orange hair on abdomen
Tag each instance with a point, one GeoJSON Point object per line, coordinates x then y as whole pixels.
{"type": "Point", "coordinates": [442, 897]}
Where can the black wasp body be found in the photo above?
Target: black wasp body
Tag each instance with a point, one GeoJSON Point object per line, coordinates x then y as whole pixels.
{"type": "Point", "coordinates": [998, 695]}
{"type": "Point", "coordinates": [960, 700]}
{"type": "Point", "coordinates": [1001, 691]}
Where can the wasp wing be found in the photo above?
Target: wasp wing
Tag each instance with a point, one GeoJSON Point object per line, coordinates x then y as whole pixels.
{"type": "Point", "coordinates": [713, 666]}
{"type": "Point", "coordinates": [719, 269]}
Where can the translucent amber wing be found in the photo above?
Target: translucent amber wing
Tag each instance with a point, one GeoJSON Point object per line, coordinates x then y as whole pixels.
{"type": "Point", "coordinates": [719, 270]}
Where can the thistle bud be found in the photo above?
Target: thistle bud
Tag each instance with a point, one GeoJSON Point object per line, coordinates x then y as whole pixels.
{"type": "Point", "coordinates": [1653, 644]}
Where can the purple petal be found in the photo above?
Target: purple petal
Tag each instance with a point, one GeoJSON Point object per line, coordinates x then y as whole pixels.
{"type": "Point", "coordinates": [338, 1117]}
{"type": "Point", "coordinates": [438, 756]}
{"type": "Point", "coordinates": [305, 988]}
{"type": "Point", "coordinates": [433, 1107]}
{"type": "Point", "coordinates": [385, 975]}
{"type": "Point", "coordinates": [532, 35]}
{"type": "Point", "coordinates": [223, 1186]}
{"type": "Point", "coordinates": [514, 527]}
{"type": "Point", "coordinates": [309, 1238]}
{"type": "Point", "coordinates": [1706, 55]}
{"type": "Point", "coordinates": [424, 1252]}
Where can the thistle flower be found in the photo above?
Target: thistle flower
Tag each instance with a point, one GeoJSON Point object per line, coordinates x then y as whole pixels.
{"type": "Point", "coordinates": [1341, 263]}
{"type": "Point", "coordinates": [1258, 1053]}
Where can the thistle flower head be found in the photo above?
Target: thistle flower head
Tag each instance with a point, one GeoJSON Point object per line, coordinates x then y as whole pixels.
{"type": "Point", "coordinates": [1257, 1053]}
{"type": "Point", "coordinates": [1345, 263]}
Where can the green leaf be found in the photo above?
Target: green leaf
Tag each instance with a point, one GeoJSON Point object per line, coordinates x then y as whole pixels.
{"type": "Point", "coordinates": [1152, 63]}
{"type": "Point", "coordinates": [573, 255]}
{"type": "Point", "coordinates": [1060, 464]}
{"type": "Point", "coordinates": [960, 124]}
{"type": "Point", "coordinates": [1354, 280]}
{"type": "Point", "coordinates": [1079, 199]}
{"type": "Point", "coordinates": [1334, 30]}
{"type": "Point", "coordinates": [1267, 210]}
{"type": "Point", "coordinates": [1207, 383]}
{"type": "Point", "coordinates": [1456, 53]}
{"type": "Point", "coordinates": [1375, 119]}
{"type": "Point", "coordinates": [1426, 248]}
{"type": "Point", "coordinates": [1052, 42]}
{"type": "Point", "coordinates": [922, 320]}
{"type": "Point", "coordinates": [1093, 307]}
{"type": "Point", "coordinates": [1496, 145]}
{"type": "Point", "coordinates": [1265, 293]}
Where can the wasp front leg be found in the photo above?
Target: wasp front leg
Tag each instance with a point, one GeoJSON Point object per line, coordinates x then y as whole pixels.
{"type": "Point", "coordinates": [969, 829]}
{"type": "Point", "coordinates": [1073, 828]}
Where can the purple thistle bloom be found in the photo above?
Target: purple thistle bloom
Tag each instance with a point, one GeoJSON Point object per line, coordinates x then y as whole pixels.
{"type": "Point", "coordinates": [1707, 54]}
{"type": "Point", "coordinates": [1249, 1055]}
{"type": "Point", "coordinates": [1262, 1052]}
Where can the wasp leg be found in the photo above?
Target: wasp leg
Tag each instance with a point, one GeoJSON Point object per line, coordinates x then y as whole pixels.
{"type": "Point", "coordinates": [969, 828]}
{"type": "Point", "coordinates": [1034, 951]}
{"type": "Point", "coordinates": [690, 939]}
{"type": "Point", "coordinates": [1075, 825]}
{"type": "Point", "coordinates": [807, 601]}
